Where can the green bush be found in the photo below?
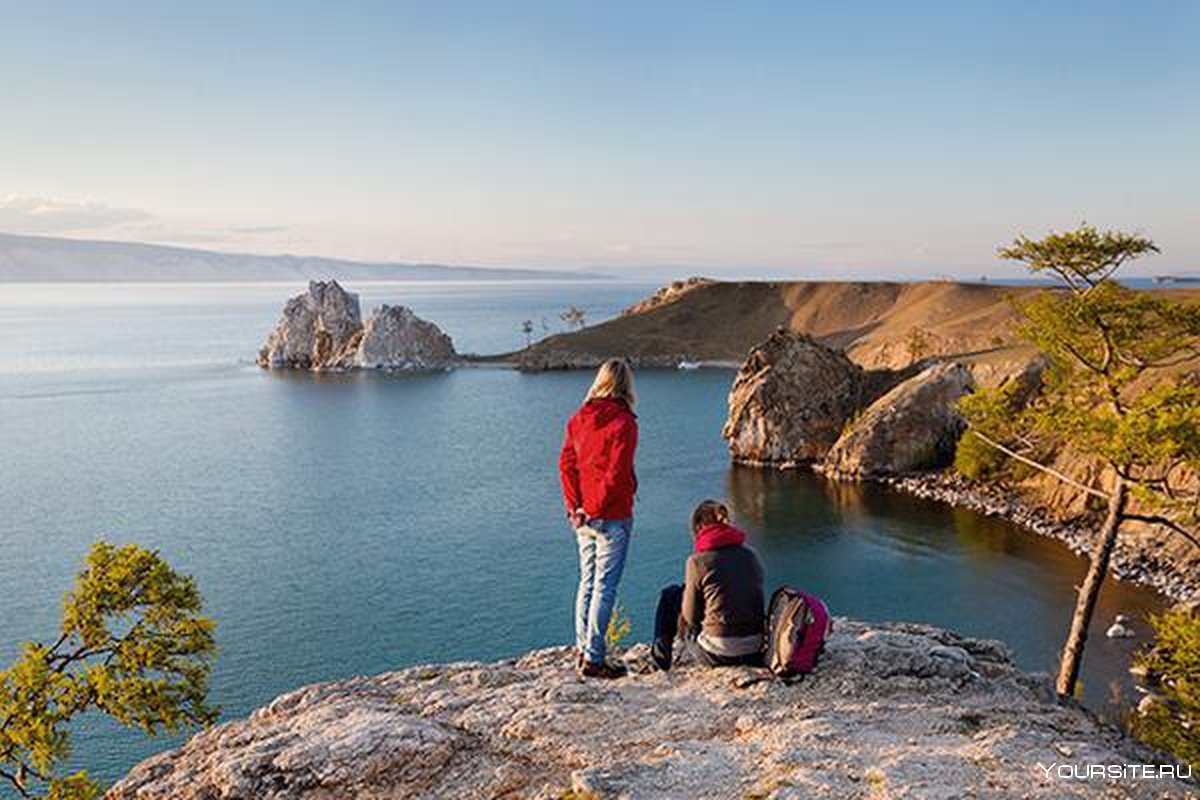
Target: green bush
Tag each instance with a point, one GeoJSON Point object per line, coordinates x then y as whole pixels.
{"type": "Point", "coordinates": [132, 646]}
{"type": "Point", "coordinates": [1173, 662]}
{"type": "Point", "coordinates": [975, 459]}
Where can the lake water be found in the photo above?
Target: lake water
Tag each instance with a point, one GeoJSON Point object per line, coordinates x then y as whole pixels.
{"type": "Point", "coordinates": [341, 525]}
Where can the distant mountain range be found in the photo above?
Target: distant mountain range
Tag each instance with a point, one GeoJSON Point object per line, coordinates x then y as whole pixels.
{"type": "Point", "coordinates": [51, 259]}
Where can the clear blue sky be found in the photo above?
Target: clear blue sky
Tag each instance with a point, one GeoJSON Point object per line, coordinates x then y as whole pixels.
{"type": "Point", "coordinates": [897, 138]}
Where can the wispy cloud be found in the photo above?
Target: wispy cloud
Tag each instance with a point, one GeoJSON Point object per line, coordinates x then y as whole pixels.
{"type": "Point", "coordinates": [254, 229]}
{"type": "Point", "coordinates": [33, 214]}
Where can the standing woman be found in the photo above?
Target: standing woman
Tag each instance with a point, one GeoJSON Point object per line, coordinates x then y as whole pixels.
{"type": "Point", "coordinates": [599, 483]}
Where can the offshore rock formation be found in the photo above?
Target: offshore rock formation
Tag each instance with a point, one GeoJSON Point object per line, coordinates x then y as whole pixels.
{"type": "Point", "coordinates": [790, 400]}
{"type": "Point", "coordinates": [322, 330]}
{"type": "Point", "coordinates": [893, 710]}
{"type": "Point", "coordinates": [396, 338]}
{"type": "Point", "coordinates": [914, 427]}
{"type": "Point", "coordinates": [315, 329]}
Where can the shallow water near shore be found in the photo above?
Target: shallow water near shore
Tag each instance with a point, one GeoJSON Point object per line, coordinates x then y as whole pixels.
{"type": "Point", "coordinates": [350, 524]}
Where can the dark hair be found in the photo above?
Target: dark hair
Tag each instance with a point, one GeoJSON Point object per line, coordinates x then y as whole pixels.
{"type": "Point", "coordinates": [710, 512]}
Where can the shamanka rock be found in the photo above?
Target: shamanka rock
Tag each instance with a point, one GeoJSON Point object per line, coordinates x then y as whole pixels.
{"type": "Point", "coordinates": [790, 400]}
{"type": "Point", "coordinates": [893, 710]}
{"type": "Point", "coordinates": [913, 427]}
{"type": "Point", "coordinates": [315, 329]}
{"type": "Point", "coordinates": [322, 330]}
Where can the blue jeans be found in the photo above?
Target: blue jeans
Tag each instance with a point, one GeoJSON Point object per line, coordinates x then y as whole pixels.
{"type": "Point", "coordinates": [601, 562]}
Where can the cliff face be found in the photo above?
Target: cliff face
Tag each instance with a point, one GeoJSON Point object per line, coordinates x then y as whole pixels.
{"type": "Point", "coordinates": [914, 426]}
{"type": "Point", "coordinates": [892, 711]}
{"type": "Point", "coordinates": [790, 399]}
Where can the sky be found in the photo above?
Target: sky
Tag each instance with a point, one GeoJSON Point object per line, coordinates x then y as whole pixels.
{"type": "Point", "coordinates": [852, 139]}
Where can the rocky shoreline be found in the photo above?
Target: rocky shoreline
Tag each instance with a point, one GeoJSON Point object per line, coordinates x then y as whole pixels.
{"type": "Point", "coordinates": [1128, 564]}
{"type": "Point", "coordinates": [893, 710]}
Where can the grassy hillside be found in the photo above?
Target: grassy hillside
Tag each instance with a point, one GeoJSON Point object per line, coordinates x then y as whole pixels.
{"type": "Point", "coordinates": [878, 324]}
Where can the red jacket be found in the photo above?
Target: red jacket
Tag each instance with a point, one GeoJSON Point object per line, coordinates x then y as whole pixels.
{"type": "Point", "coordinates": [596, 463]}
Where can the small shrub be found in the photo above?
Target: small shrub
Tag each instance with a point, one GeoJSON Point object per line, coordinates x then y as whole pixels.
{"type": "Point", "coordinates": [1174, 661]}
{"type": "Point", "coordinates": [975, 459]}
{"type": "Point", "coordinates": [619, 626]}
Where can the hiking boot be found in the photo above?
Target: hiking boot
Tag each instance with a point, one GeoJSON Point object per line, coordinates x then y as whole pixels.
{"type": "Point", "coordinates": [661, 656]}
{"type": "Point", "coordinates": [605, 671]}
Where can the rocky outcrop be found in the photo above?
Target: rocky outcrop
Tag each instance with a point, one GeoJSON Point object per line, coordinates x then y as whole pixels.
{"type": "Point", "coordinates": [893, 710]}
{"type": "Point", "coordinates": [789, 401]}
{"type": "Point", "coordinates": [913, 427]}
{"type": "Point", "coordinates": [322, 329]}
{"type": "Point", "coordinates": [396, 338]}
{"type": "Point", "coordinates": [315, 330]}
{"type": "Point", "coordinates": [666, 294]}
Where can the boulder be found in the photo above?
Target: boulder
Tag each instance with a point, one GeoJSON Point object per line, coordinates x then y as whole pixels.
{"type": "Point", "coordinates": [316, 330]}
{"type": "Point", "coordinates": [913, 427]}
{"type": "Point", "coordinates": [396, 338]}
{"type": "Point", "coordinates": [894, 710]}
{"type": "Point", "coordinates": [790, 400]}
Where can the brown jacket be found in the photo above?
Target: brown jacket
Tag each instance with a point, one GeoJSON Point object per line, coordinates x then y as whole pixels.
{"type": "Point", "coordinates": [723, 593]}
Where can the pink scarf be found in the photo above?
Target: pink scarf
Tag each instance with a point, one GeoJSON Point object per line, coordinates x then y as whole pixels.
{"type": "Point", "coordinates": [718, 535]}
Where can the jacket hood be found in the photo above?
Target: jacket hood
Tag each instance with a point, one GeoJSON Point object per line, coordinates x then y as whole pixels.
{"type": "Point", "coordinates": [604, 409]}
{"type": "Point", "coordinates": [718, 535]}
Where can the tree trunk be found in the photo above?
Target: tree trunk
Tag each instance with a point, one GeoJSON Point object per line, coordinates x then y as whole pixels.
{"type": "Point", "coordinates": [1085, 604]}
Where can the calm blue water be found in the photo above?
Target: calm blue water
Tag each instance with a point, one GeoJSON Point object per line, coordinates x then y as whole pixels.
{"type": "Point", "coordinates": [341, 525]}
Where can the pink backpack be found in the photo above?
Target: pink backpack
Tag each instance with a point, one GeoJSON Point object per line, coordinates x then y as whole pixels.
{"type": "Point", "coordinates": [797, 625]}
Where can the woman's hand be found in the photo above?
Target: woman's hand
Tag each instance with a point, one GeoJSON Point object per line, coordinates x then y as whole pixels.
{"type": "Point", "coordinates": [577, 518]}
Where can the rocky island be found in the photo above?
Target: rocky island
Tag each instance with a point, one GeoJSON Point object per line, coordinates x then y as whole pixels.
{"type": "Point", "coordinates": [322, 330]}
{"type": "Point", "coordinates": [894, 710]}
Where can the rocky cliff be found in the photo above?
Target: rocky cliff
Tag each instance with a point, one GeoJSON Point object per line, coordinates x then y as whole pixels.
{"type": "Point", "coordinates": [893, 711]}
{"type": "Point", "coordinates": [799, 402]}
{"type": "Point", "coordinates": [796, 401]}
{"type": "Point", "coordinates": [913, 427]}
{"type": "Point", "coordinates": [322, 329]}
{"type": "Point", "coordinates": [790, 400]}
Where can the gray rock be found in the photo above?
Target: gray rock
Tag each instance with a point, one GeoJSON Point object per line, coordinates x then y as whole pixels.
{"type": "Point", "coordinates": [913, 427]}
{"type": "Point", "coordinates": [896, 709]}
{"type": "Point", "coordinates": [396, 338]}
{"type": "Point", "coordinates": [315, 330]}
{"type": "Point", "coordinates": [322, 330]}
{"type": "Point", "coordinates": [1120, 628]}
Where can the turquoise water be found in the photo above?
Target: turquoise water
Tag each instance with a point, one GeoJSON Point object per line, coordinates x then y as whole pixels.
{"type": "Point", "coordinates": [341, 525]}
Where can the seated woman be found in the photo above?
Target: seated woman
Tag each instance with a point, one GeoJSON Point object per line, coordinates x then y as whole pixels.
{"type": "Point", "coordinates": [720, 605]}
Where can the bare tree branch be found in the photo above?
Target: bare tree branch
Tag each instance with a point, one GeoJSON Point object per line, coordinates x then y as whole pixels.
{"type": "Point", "coordinates": [1166, 522]}
{"type": "Point", "coordinates": [17, 783]}
{"type": "Point", "coordinates": [1041, 467]}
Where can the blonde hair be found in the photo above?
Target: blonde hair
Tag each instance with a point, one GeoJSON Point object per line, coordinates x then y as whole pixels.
{"type": "Point", "coordinates": [710, 512]}
{"type": "Point", "coordinates": [614, 379]}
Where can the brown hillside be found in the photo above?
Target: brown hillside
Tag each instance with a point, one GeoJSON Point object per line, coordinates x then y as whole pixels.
{"type": "Point", "coordinates": [873, 322]}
